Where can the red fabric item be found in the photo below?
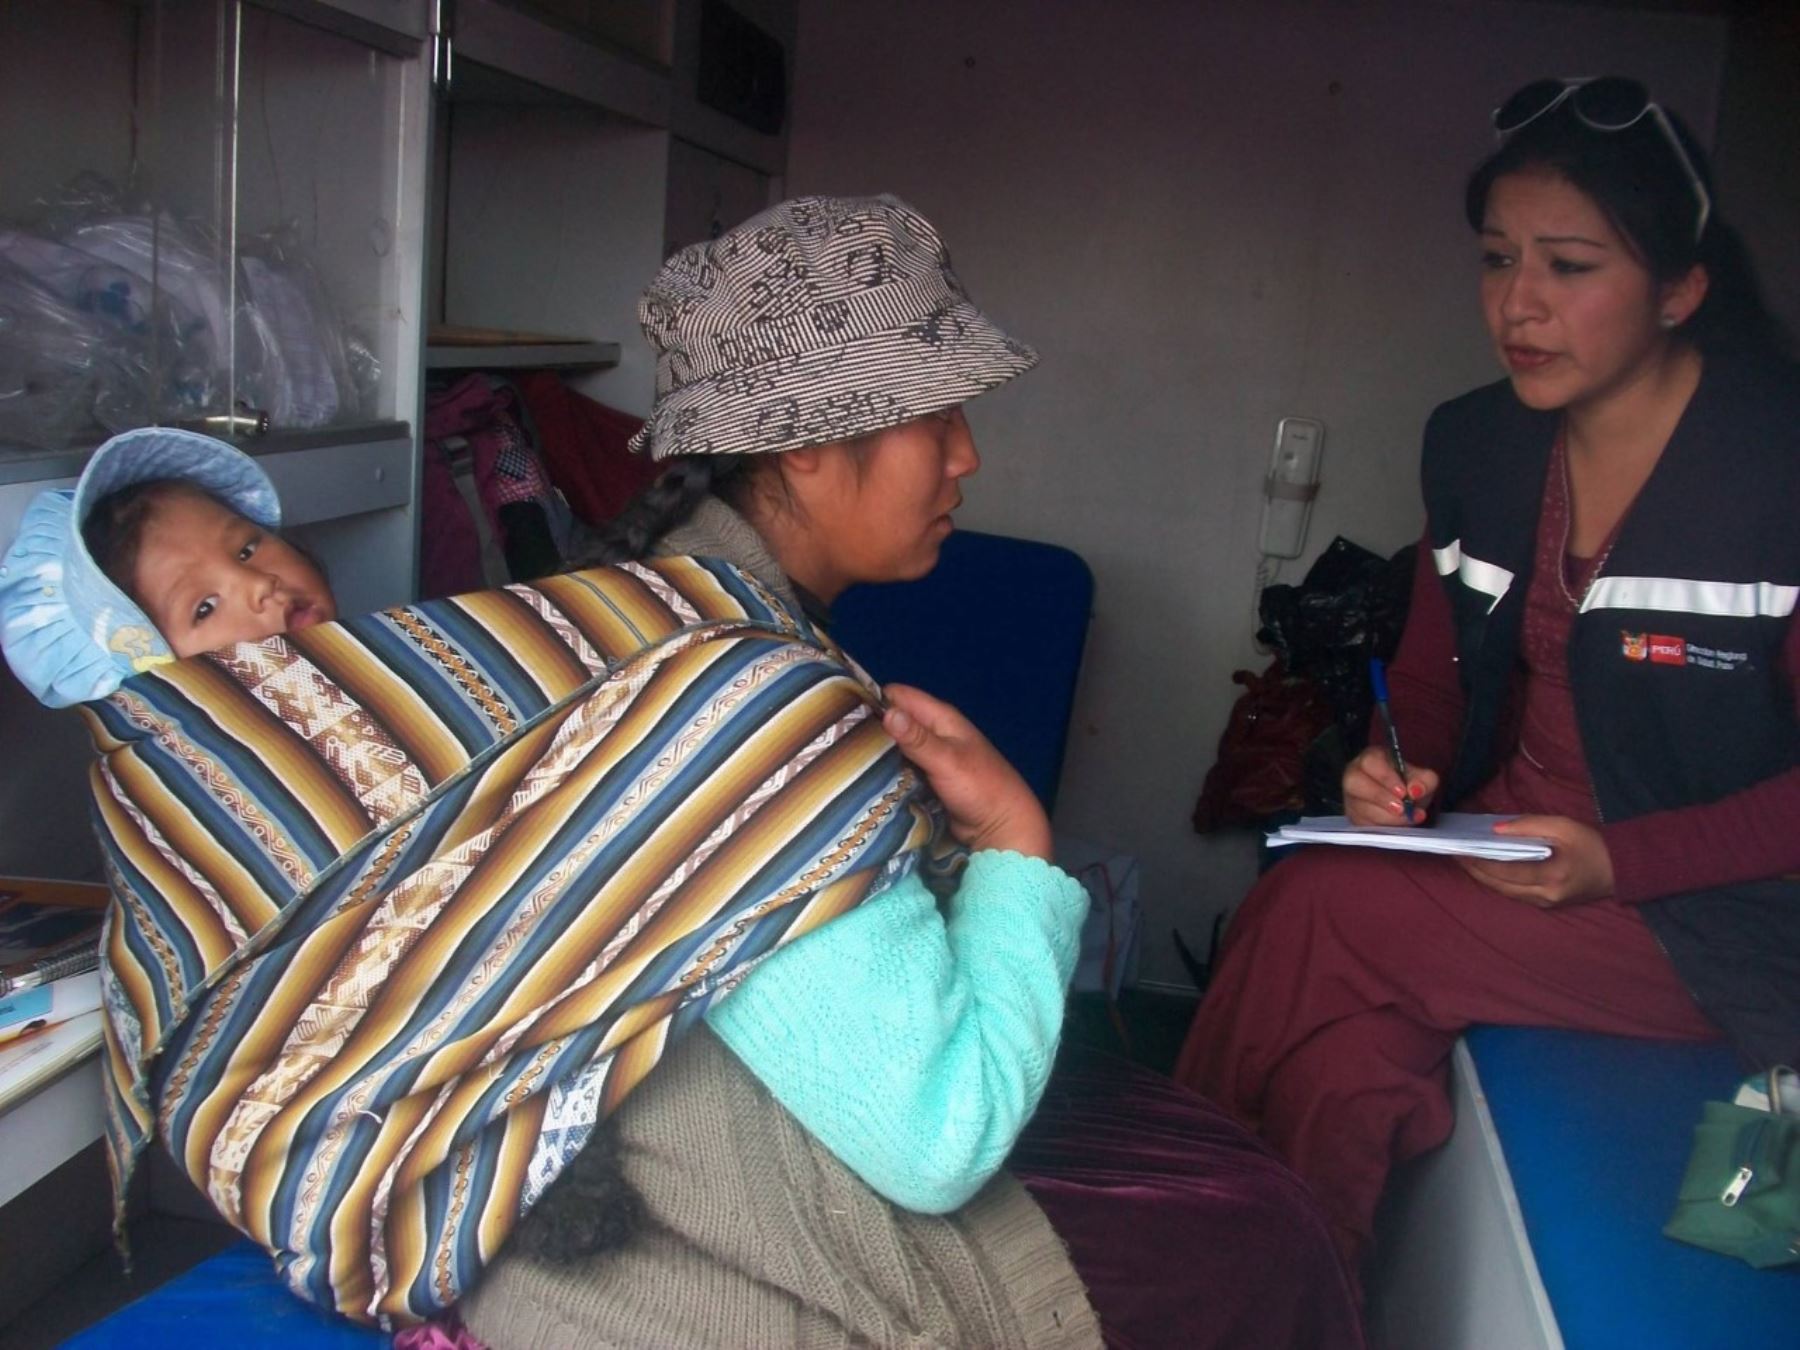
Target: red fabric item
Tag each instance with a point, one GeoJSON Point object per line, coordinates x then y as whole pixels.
{"type": "Point", "coordinates": [583, 445]}
{"type": "Point", "coordinates": [1345, 980]}
{"type": "Point", "coordinates": [449, 1334]}
{"type": "Point", "coordinates": [1261, 765]}
{"type": "Point", "coordinates": [449, 544]}
{"type": "Point", "coordinates": [506, 472]}
{"type": "Point", "coordinates": [483, 414]}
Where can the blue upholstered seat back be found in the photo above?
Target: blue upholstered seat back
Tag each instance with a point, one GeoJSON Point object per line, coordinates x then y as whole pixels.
{"type": "Point", "coordinates": [997, 629]}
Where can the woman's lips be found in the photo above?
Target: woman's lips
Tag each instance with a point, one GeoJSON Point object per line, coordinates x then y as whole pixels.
{"type": "Point", "coordinates": [1527, 358]}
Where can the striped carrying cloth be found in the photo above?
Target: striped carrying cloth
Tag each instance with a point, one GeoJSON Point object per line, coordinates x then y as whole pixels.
{"type": "Point", "coordinates": [404, 905]}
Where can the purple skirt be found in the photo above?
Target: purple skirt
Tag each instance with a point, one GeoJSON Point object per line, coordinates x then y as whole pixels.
{"type": "Point", "coordinates": [1186, 1230]}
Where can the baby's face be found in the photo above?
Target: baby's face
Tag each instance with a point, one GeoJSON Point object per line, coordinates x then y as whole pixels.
{"type": "Point", "coordinates": [208, 578]}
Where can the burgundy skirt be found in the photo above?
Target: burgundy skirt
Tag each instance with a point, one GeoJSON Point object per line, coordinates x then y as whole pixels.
{"type": "Point", "coordinates": [1186, 1230]}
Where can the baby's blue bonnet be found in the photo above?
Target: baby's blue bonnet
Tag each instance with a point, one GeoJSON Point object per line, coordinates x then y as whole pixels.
{"type": "Point", "coordinates": [70, 634]}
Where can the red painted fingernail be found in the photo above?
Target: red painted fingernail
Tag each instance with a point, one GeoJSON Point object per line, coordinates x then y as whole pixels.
{"type": "Point", "coordinates": [1416, 791]}
{"type": "Point", "coordinates": [1395, 807]}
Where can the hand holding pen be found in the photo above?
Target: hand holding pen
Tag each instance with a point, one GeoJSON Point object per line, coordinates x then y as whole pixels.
{"type": "Point", "coordinates": [1380, 788]}
{"type": "Point", "coordinates": [1378, 683]}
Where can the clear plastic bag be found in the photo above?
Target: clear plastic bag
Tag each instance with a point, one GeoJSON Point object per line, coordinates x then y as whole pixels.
{"type": "Point", "coordinates": [308, 379]}
{"type": "Point", "coordinates": [365, 369]}
{"type": "Point", "coordinates": [51, 359]}
{"type": "Point", "coordinates": [112, 318]}
{"type": "Point", "coordinates": [195, 331]}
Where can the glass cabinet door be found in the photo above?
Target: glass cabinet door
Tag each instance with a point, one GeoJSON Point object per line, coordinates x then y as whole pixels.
{"type": "Point", "coordinates": [209, 217]}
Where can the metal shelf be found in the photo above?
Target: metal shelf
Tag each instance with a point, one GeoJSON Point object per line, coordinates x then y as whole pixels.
{"type": "Point", "coordinates": [523, 356]}
{"type": "Point", "coordinates": [30, 464]}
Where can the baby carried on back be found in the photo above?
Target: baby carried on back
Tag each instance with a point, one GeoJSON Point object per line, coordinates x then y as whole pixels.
{"type": "Point", "coordinates": [406, 904]}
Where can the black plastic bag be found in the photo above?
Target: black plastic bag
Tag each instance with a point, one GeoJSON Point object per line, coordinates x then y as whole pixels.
{"type": "Point", "coordinates": [1351, 606]}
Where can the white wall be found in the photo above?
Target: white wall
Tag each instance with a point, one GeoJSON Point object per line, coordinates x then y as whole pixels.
{"type": "Point", "coordinates": [1206, 217]}
{"type": "Point", "coordinates": [552, 227]}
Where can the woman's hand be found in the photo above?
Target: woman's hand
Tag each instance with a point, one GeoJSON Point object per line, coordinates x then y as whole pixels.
{"type": "Point", "coordinates": [989, 805]}
{"type": "Point", "coordinates": [1578, 869]}
{"type": "Point", "coordinates": [1373, 790]}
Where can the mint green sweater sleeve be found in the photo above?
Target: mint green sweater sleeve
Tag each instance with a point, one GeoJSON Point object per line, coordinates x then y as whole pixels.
{"type": "Point", "coordinates": [912, 1045]}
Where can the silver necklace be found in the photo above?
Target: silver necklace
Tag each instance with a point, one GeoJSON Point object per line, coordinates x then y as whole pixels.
{"type": "Point", "coordinates": [1562, 560]}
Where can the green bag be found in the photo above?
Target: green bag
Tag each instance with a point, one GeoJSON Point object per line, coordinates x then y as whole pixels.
{"type": "Point", "coordinates": [1741, 1194]}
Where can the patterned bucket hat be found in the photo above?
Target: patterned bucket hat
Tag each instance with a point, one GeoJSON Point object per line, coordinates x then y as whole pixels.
{"type": "Point", "coordinates": [70, 634]}
{"type": "Point", "coordinates": [821, 319]}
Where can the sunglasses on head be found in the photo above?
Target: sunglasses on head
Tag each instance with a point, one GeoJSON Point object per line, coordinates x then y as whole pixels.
{"type": "Point", "coordinates": [1610, 103]}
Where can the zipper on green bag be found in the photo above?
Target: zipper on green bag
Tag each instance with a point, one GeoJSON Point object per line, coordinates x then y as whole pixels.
{"type": "Point", "coordinates": [1729, 1196]}
{"type": "Point", "coordinates": [1749, 1153]}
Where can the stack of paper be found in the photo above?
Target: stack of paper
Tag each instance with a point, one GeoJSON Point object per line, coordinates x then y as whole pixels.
{"type": "Point", "coordinates": [32, 1061]}
{"type": "Point", "coordinates": [1455, 833]}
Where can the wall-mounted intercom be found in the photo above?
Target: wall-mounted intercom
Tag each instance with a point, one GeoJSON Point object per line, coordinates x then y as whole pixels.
{"type": "Point", "coordinates": [1292, 484]}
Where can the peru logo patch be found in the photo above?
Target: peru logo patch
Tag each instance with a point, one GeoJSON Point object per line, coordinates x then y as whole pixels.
{"type": "Point", "coordinates": [1636, 646]}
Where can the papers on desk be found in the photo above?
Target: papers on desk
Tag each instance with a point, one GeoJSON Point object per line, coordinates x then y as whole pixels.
{"type": "Point", "coordinates": [30, 1062]}
{"type": "Point", "coordinates": [1453, 833]}
{"type": "Point", "coordinates": [48, 930]}
{"type": "Point", "coordinates": [27, 1010]}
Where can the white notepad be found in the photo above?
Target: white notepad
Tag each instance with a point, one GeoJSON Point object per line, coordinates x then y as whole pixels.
{"type": "Point", "coordinates": [1457, 833]}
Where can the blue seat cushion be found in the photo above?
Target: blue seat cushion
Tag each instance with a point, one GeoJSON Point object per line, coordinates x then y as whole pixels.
{"type": "Point", "coordinates": [997, 629]}
{"type": "Point", "coordinates": [233, 1298]}
{"type": "Point", "coordinates": [1596, 1131]}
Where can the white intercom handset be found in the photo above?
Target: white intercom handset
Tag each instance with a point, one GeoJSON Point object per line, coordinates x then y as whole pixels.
{"type": "Point", "coordinates": [1292, 484]}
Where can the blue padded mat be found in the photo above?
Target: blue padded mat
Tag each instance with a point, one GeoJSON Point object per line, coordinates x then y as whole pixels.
{"type": "Point", "coordinates": [1597, 1131]}
{"type": "Point", "coordinates": [230, 1299]}
{"type": "Point", "coordinates": [997, 629]}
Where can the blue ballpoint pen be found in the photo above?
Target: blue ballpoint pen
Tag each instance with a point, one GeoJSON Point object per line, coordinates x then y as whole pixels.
{"type": "Point", "coordinates": [1378, 682]}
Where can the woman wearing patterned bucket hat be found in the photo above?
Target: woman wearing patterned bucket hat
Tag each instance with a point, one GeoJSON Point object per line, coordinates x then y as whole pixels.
{"type": "Point", "coordinates": [821, 1164]}
{"type": "Point", "coordinates": [811, 370]}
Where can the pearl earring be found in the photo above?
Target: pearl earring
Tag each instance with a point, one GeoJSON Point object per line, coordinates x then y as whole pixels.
{"type": "Point", "coordinates": [1668, 321]}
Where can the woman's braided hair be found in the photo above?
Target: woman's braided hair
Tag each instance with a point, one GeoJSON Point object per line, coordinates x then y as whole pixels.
{"type": "Point", "coordinates": [667, 503]}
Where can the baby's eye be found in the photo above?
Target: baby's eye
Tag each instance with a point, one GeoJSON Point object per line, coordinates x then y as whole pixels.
{"type": "Point", "coordinates": [206, 608]}
{"type": "Point", "coordinates": [248, 551]}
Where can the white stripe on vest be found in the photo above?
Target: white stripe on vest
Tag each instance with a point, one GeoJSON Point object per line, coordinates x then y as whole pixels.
{"type": "Point", "coordinates": [1477, 575]}
{"type": "Point", "coordinates": [1677, 595]}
